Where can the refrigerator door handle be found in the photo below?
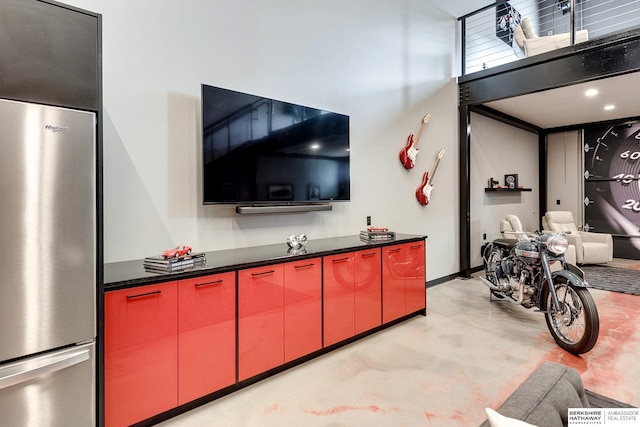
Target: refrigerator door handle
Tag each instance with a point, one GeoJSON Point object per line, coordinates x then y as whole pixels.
{"type": "Point", "coordinates": [30, 369]}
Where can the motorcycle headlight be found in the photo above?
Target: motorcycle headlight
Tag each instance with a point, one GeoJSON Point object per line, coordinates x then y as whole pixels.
{"type": "Point", "coordinates": [557, 244]}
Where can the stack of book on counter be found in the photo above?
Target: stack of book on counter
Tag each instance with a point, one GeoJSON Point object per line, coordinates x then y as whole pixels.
{"type": "Point", "coordinates": [160, 264]}
{"type": "Point", "coordinates": [374, 234]}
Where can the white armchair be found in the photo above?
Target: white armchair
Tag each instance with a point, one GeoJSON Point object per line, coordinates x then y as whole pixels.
{"type": "Point", "coordinates": [591, 248]}
{"type": "Point", "coordinates": [509, 226]}
{"type": "Point", "coordinates": [531, 44]}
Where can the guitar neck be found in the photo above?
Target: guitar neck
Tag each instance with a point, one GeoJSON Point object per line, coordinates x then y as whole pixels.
{"type": "Point", "coordinates": [435, 166]}
{"type": "Point", "coordinates": [422, 125]}
{"type": "Point", "coordinates": [419, 134]}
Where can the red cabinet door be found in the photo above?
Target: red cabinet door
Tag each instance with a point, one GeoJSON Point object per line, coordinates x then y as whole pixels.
{"type": "Point", "coordinates": [206, 335]}
{"type": "Point", "coordinates": [302, 308]}
{"type": "Point", "coordinates": [140, 352]}
{"type": "Point", "coordinates": [393, 282]}
{"type": "Point", "coordinates": [368, 293]}
{"type": "Point", "coordinates": [260, 320]}
{"type": "Point", "coordinates": [415, 275]}
{"type": "Point", "coordinates": [403, 280]}
{"type": "Point", "coordinates": [339, 297]}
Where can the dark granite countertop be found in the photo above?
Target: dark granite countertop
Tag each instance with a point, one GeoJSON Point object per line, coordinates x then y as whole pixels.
{"type": "Point", "coordinates": [127, 274]}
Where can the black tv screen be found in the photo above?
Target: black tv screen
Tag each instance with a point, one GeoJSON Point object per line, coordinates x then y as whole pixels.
{"type": "Point", "coordinates": [258, 150]}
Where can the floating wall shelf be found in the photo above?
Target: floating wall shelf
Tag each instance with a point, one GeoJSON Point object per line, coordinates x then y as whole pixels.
{"type": "Point", "coordinates": [505, 190]}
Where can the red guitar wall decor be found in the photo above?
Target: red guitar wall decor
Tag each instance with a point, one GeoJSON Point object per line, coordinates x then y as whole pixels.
{"type": "Point", "coordinates": [423, 192]}
{"type": "Point", "coordinates": [409, 153]}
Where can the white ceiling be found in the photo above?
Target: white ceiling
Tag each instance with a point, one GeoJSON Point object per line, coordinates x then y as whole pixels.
{"type": "Point", "coordinates": [569, 106]}
{"type": "Point", "coordinates": [458, 8]}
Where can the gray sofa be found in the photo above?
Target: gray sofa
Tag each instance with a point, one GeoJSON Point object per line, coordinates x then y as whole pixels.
{"type": "Point", "coordinates": [544, 398]}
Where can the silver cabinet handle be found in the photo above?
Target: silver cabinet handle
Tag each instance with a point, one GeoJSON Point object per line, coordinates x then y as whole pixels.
{"type": "Point", "coordinates": [30, 369]}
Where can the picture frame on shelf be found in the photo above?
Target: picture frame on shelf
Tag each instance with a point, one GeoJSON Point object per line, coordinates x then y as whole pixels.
{"type": "Point", "coordinates": [511, 181]}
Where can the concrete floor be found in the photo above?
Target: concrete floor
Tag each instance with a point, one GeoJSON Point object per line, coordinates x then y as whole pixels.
{"type": "Point", "coordinates": [439, 370]}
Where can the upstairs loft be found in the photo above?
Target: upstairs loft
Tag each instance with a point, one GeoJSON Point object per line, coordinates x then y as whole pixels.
{"type": "Point", "coordinates": [508, 30]}
{"type": "Point", "coordinates": [494, 67]}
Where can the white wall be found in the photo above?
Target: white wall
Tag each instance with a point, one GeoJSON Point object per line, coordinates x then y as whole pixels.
{"type": "Point", "coordinates": [386, 63]}
{"type": "Point", "coordinates": [498, 149]}
{"type": "Point", "coordinates": [564, 173]}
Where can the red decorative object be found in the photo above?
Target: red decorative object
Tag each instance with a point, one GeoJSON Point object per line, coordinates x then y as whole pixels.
{"type": "Point", "coordinates": [409, 153]}
{"type": "Point", "coordinates": [177, 252]}
{"type": "Point", "coordinates": [423, 192]}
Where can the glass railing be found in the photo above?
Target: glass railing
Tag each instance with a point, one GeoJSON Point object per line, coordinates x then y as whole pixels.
{"type": "Point", "coordinates": [506, 31]}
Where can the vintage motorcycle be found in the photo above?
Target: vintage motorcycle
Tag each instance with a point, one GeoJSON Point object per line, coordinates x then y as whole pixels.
{"type": "Point", "coordinates": [520, 270]}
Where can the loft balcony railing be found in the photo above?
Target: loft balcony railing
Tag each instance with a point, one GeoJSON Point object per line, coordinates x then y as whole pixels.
{"type": "Point", "coordinates": [507, 31]}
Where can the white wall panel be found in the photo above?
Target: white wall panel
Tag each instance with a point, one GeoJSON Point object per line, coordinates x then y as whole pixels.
{"type": "Point", "coordinates": [498, 149]}
{"type": "Point", "coordinates": [385, 63]}
{"type": "Point", "coordinates": [564, 173]}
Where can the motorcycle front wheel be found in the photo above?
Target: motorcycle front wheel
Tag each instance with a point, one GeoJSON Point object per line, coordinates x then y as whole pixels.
{"type": "Point", "coordinates": [576, 327]}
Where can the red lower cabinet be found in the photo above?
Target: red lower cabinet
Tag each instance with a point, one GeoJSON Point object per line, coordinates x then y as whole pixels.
{"type": "Point", "coordinates": [302, 308]}
{"type": "Point", "coordinates": [206, 335]}
{"type": "Point", "coordinates": [393, 282]}
{"type": "Point", "coordinates": [352, 294]}
{"type": "Point", "coordinates": [415, 275]}
{"type": "Point", "coordinates": [140, 352]}
{"type": "Point", "coordinates": [171, 343]}
{"type": "Point", "coordinates": [367, 291]}
{"type": "Point", "coordinates": [339, 297]}
{"type": "Point", "coordinates": [403, 280]}
{"type": "Point", "coordinates": [260, 320]}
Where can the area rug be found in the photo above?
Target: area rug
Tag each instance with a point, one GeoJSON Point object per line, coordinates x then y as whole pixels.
{"type": "Point", "coordinates": [614, 279]}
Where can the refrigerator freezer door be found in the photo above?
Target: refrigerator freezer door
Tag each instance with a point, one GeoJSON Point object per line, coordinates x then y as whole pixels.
{"type": "Point", "coordinates": [47, 228]}
{"type": "Point", "coordinates": [54, 390]}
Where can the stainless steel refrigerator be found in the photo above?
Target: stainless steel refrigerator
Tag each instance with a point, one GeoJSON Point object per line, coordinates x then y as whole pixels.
{"type": "Point", "coordinates": [47, 265]}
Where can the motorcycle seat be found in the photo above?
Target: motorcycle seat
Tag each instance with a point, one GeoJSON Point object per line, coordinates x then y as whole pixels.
{"type": "Point", "coordinates": [505, 243]}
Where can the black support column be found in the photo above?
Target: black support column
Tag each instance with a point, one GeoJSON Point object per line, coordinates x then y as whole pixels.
{"type": "Point", "coordinates": [464, 188]}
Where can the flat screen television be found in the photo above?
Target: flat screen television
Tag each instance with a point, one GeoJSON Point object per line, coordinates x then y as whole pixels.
{"type": "Point", "coordinates": [260, 151]}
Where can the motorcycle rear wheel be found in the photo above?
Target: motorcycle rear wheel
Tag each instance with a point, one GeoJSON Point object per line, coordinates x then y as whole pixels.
{"type": "Point", "coordinates": [576, 327]}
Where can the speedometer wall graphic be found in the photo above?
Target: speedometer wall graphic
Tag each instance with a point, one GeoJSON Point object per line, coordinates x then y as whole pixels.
{"type": "Point", "coordinates": [612, 185]}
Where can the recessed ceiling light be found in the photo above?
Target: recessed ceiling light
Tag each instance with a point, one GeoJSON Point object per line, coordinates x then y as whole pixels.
{"type": "Point", "coordinates": [609, 107]}
{"type": "Point", "coordinates": [591, 92]}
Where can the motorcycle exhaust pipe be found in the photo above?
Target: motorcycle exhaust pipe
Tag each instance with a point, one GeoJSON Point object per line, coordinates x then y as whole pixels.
{"type": "Point", "coordinates": [489, 284]}
{"type": "Point", "coordinates": [495, 288]}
